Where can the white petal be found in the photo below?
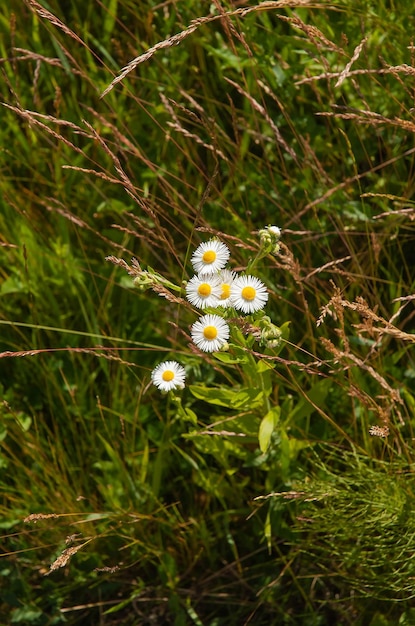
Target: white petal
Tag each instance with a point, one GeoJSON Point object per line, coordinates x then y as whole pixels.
{"type": "Point", "coordinates": [248, 305]}
{"type": "Point", "coordinates": [219, 253]}
{"type": "Point", "coordinates": [176, 371]}
{"type": "Point", "coordinates": [210, 344]}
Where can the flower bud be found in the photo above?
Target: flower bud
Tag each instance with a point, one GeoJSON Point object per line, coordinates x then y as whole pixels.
{"type": "Point", "coordinates": [143, 281]}
{"type": "Point", "coordinates": [270, 333]}
{"type": "Point", "coordinates": [269, 238]}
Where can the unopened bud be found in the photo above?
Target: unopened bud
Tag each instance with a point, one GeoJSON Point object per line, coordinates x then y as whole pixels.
{"type": "Point", "coordinates": [271, 334]}
{"type": "Point", "coordinates": [269, 237]}
{"type": "Point", "coordinates": [274, 230]}
{"type": "Point", "coordinates": [143, 281]}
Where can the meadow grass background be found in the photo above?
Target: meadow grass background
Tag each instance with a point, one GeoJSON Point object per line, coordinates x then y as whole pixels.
{"type": "Point", "coordinates": [142, 508]}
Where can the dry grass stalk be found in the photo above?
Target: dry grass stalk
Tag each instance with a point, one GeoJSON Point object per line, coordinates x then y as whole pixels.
{"type": "Point", "coordinates": [393, 393]}
{"type": "Point", "coordinates": [151, 280]}
{"type": "Point", "coordinates": [163, 292]}
{"type": "Point", "coordinates": [371, 321]}
{"type": "Point", "coordinates": [47, 15]}
{"type": "Point", "coordinates": [391, 69]}
{"type": "Point", "coordinates": [106, 569]}
{"type": "Point", "coordinates": [177, 126]}
{"type": "Point", "coordinates": [370, 117]}
{"type": "Point", "coordinates": [53, 205]}
{"type": "Point", "coordinates": [63, 558]}
{"type": "Point", "coordinates": [386, 328]}
{"type": "Point", "coordinates": [405, 212]}
{"type": "Point", "coordinates": [72, 538]}
{"type": "Point", "coordinates": [345, 73]}
{"type": "Point", "coordinates": [94, 351]}
{"type": "Point", "coordinates": [402, 69]}
{"type": "Point", "coordinates": [129, 187]}
{"type": "Point", "coordinates": [313, 33]}
{"type": "Point", "coordinates": [405, 298]}
{"type": "Point", "coordinates": [197, 23]}
{"type": "Point", "coordinates": [126, 146]}
{"type": "Point", "coordinates": [258, 107]}
{"type": "Point", "coordinates": [86, 170]}
{"type": "Point", "coordinates": [29, 55]}
{"type": "Point", "coordinates": [8, 353]}
{"type": "Point", "coordinates": [332, 75]}
{"type": "Point", "coordinates": [222, 433]}
{"type": "Point", "coordinates": [35, 517]}
{"type": "Point", "coordinates": [379, 431]}
{"type": "Point", "coordinates": [151, 237]}
{"type": "Point", "coordinates": [32, 116]}
{"type": "Point", "coordinates": [354, 179]}
{"type": "Point", "coordinates": [325, 267]}
{"type": "Point", "coordinates": [288, 263]}
{"type": "Point", "coordinates": [132, 271]}
{"type": "Point", "coordinates": [312, 368]}
{"type": "Point", "coordinates": [292, 495]}
{"type": "Point", "coordinates": [336, 304]}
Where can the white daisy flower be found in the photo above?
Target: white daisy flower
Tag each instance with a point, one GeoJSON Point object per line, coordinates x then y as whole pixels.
{"type": "Point", "coordinates": [210, 257]}
{"type": "Point", "coordinates": [226, 278]}
{"type": "Point", "coordinates": [248, 294]}
{"type": "Point", "coordinates": [168, 375]}
{"type": "Point", "coordinates": [210, 333]}
{"type": "Point", "coordinates": [204, 291]}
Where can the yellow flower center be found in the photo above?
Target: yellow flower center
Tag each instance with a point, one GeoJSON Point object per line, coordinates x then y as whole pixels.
{"type": "Point", "coordinates": [248, 293]}
{"type": "Point", "coordinates": [226, 291]}
{"type": "Point", "coordinates": [209, 256]}
{"type": "Point", "coordinates": [204, 289]}
{"type": "Point", "coordinates": [167, 376]}
{"type": "Point", "coordinates": [210, 332]}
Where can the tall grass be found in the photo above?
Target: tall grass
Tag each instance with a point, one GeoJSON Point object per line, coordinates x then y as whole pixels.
{"type": "Point", "coordinates": [277, 487]}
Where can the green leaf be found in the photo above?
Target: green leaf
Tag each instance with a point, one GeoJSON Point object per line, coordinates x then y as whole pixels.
{"type": "Point", "coordinates": [267, 427]}
{"type": "Point", "coordinates": [380, 620]}
{"type": "Point", "coordinates": [25, 614]}
{"type": "Point", "coordinates": [410, 400]}
{"type": "Point", "coordinates": [316, 396]}
{"type": "Point", "coordinates": [264, 366]}
{"type": "Point", "coordinates": [285, 329]}
{"type": "Point", "coordinates": [225, 357]}
{"type": "Point", "coordinates": [268, 531]}
{"type": "Point", "coordinates": [190, 416]}
{"type": "Point", "coordinates": [232, 398]}
{"type": "Point", "coordinates": [407, 618]}
{"type": "Point", "coordinates": [136, 593]}
{"type": "Point", "coordinates": [110, 19]}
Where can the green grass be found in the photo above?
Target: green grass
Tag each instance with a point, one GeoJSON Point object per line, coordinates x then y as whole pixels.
{"type": "Point", "coordinates": [258, 493]}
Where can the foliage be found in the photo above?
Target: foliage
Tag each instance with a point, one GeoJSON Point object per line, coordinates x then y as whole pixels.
{"type": "Point", "coordinates": [276, 487]}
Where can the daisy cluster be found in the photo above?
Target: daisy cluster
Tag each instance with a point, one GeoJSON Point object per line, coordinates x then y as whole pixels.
{"type": "Point", "coordinates": [215, 286]}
